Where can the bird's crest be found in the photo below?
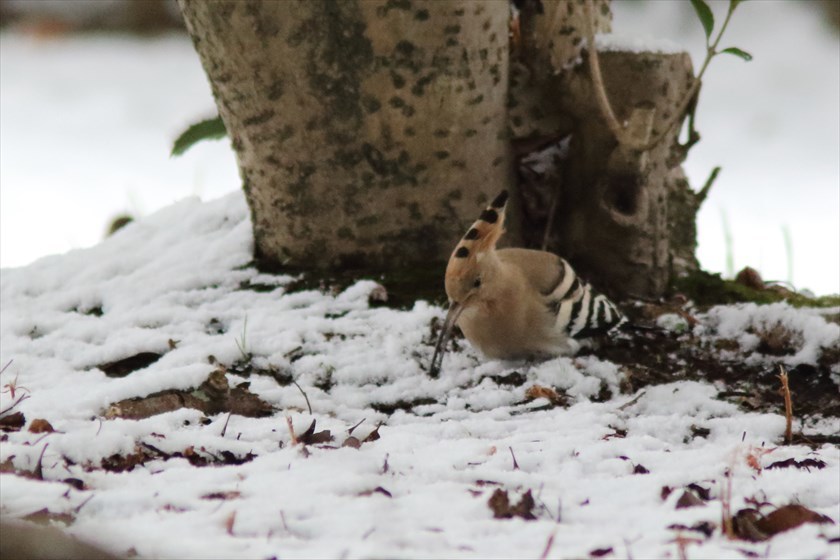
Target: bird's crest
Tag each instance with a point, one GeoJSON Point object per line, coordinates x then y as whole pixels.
{"type": "Point", "coordinates": [480, 238]}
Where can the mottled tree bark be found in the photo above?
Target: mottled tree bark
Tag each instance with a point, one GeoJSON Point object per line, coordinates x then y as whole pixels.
{"type": "Point", "coordinates": [368, 132]}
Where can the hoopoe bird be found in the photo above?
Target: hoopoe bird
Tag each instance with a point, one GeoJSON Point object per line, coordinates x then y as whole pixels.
{"type": "Point", "coordinates": [517, 303]}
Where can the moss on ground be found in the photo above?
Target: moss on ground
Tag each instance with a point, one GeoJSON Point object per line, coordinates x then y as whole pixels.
{"type": "Point", "coordinates": [707, 289]}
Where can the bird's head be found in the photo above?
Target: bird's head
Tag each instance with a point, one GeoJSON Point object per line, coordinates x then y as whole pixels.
{"type": "Point", "coordinates": [471, 267]}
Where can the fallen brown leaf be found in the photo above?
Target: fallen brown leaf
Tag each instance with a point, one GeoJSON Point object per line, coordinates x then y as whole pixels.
{"type": "Point", "coordinates": [146, 452]}
{"type": "Point", "coordinates": [213, 396]}
{"type": "Point", "coordinates": [500, 504]}
{"type": "Point", "coordinates": [228, 495]}
{"type": "Point", "coordinates": [12, 422]}
{"type": "Point", "coordinates": [617, 433]}
{"type": "Point", "coordinates": [373, 436]}
{"type": "Point", "coordinates": [8, 466]}
{"type": "Point", "coordinates": [751, 525]}
{"type": "Point", "coordinates": [40, 426]}
{"type": "Point", "coordinates": [377, 490]}
{"type": "Point", "coordinates": [538, 391]}
{"type": "Point", "coordinates": [806, 464]}
{"type": "Point", "coordinates": [124, 366]}
{"type": "Point", "coordinates": [754, 455]}
{"type": "Point", "coordinates": [788, 517]}
{"type": "Point", "coordinates": [689, 499]}
{"type": "Point", "coordinates": [76, 483]}
{"type": "Point", "coordinates": [311, 437]}
{"type": "Point", "coordinates": [352, 442]}
{"type": "Point", "coordinates": [750, 278]}
{"type": "Point", "coordinates": [703, 493]}
{"type": "Point", "coordinates": [744, 525]}
{"type": "Point", "coordinates": [705, 527]}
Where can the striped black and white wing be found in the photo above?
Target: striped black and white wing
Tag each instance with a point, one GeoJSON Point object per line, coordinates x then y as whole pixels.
{"type": "Point", "coordinates": [581, 311]}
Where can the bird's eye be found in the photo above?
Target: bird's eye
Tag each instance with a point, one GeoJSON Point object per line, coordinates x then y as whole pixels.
{"type": "Point", "coordinates": [477, 283]}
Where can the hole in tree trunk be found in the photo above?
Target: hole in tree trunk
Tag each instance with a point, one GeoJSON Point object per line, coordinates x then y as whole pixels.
{"type": "Point", "coordinates": [623, 193]}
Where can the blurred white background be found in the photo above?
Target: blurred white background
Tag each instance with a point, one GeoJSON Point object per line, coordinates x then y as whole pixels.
{"type": "Point", "coordinates": [87, 121]}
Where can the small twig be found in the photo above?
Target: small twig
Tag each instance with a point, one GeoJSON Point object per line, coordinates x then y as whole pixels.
{"type": "Point", "coordinates": [549, 543]}
{"type": "Point", "coordinates": [7, 365]}
{"type": "Point", "coordinates": [785, 391]}
{"type": "Point", "coordinates": [547, 510]}
{"type": "Point", "coordinates": [291, 430]}
{"type": "Point", "coordinates": [230, 521]}
{"type": "Point", "coordinates": [39, 469]}
{"type": "Point", "coordinates": [302, 392]}
{"type": "Point", "coordinates": [726, 501]}
{"type": "Point", "coordinates": [224, 428]}
{"type": "Point", "coordinates": [14, 404]}
{"type": "Point", "coordinates": [627, 548]}
{"type": "Point", "coordinates": [353, 428]}
{"type": "Point", "coordinates": [83, 504]}
{"type": "Point", "coordinates": [632, 401]}
{"type": "Point", "coordinates": [42, 438]}
{"type": "Point", "coordinates": [515, 464]}
{"type": "Point", "coordinates": [552, 210]}
{"type": "Point", "coordinates": [693, 135]}
{"type": "Point", "coordinates": [704, 192]}
{"type": "Point", "coordinates": [597, 80]}
{"type": "Point", "coordinates": [681, 546]}
{"type": "Point", "coordinates": [682, 543]}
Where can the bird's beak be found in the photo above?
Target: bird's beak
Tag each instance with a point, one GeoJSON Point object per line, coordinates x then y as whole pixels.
{"type": "Point", "coordinates": [455, 310]}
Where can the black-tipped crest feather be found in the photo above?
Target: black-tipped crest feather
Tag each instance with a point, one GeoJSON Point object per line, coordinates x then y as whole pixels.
{"type": "Point", "coordinates": [500, 200]}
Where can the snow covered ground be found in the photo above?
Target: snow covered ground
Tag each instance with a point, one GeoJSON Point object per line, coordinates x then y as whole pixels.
{"type": "Point", "coordinates": [605, 477]}
{"type": "Point", "coordinates": [87, 124]}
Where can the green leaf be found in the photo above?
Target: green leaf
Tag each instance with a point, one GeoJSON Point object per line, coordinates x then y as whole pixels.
{"type": "Point", "coordinates": [704, 13]}
{"type": "Point", "coordinates": [734, 4]}
{"type": "Point", "coordinates": [210, 129]}
{"type": "Point", "coordinates": [738, 52]}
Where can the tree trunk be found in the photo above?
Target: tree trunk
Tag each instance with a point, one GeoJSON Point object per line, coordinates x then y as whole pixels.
{"type": "Point", "coordinates": [623, 217]}
{"type": "Point", "coordinates": [613, 214]}
{"type": "Point", "coordinates": [368, 133]}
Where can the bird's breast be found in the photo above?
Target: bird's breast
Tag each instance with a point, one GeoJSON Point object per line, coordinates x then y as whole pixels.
{"type": "Point", "coordinates": [511, 329]}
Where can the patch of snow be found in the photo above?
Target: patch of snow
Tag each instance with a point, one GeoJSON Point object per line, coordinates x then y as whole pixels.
{"type": "Point", "coordinates": [672, 322]}
{"type": "Point", "coordinates": [806, 329]}
{"type": "Point", "coordinates": [636, 44]}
